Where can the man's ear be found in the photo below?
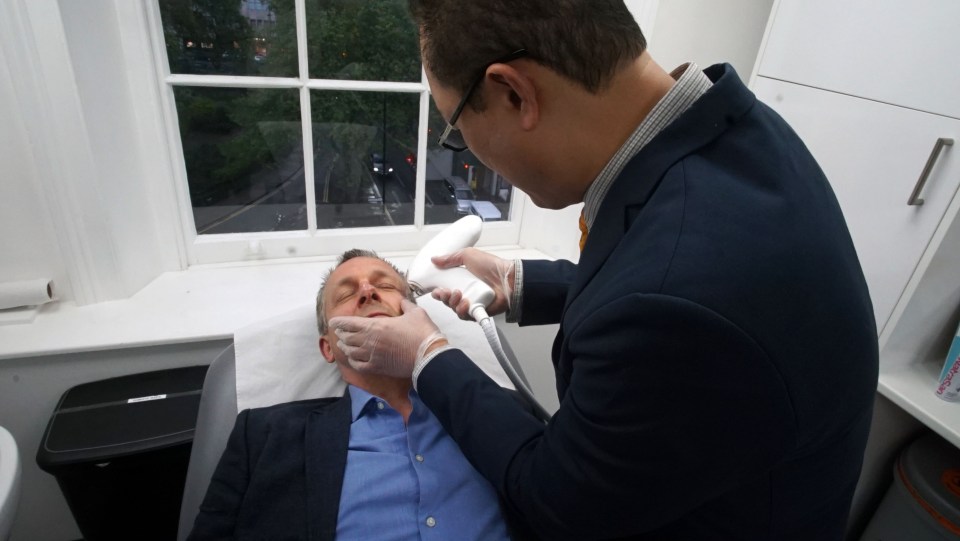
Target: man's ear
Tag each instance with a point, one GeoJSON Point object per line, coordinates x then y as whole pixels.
{"type": "Point", "coordinates": [515, 89]}
{"type": "Point", "coordinates": [326, 349]}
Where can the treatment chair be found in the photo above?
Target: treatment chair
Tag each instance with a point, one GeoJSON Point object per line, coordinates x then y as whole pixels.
{"type": "Point", "coordinates": [215, 418]}
{"type": "Point", "coordinates": [219, 402]}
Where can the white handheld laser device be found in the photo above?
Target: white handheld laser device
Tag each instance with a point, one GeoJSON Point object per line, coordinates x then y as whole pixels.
{"type": "Point", "coordinates": [423, 276]}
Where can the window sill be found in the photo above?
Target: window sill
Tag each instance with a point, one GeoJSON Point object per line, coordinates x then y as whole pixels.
{"type": "Point", "coordinates": [201, 303]}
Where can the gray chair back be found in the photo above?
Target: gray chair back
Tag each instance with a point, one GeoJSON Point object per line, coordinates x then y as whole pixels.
{"type": "Point", "coordinates": [215, 419]}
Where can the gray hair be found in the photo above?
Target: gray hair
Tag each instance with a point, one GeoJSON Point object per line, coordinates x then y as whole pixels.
{"type": "Point", "coordinates": [344, 257]}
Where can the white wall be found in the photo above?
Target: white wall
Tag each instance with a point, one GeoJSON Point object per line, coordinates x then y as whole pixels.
{"type": "Point", "coordinates": [532, 347]}
{"type": "Point", "coordinates": [121, 116]}
{"type": "Point", "coordinates": [93, 157]}
{"type": "Point", "coordinates": [708, 32]}
{"type": "Point", "coordinates": [553, 232]}
{"type": "Point", "coordinates": [28, 244]}
{"type": "Point", "coordinates": [645, 12]}
{"type": "Point", "coordinates": [47, 105]}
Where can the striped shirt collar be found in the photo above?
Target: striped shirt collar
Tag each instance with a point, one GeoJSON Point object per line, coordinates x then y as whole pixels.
{"type": "Point", "coordinates": [691, 84]}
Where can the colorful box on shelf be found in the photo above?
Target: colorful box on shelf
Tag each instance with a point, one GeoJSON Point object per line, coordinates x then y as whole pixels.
{"type": "Point", "coordinates": [949, 386]}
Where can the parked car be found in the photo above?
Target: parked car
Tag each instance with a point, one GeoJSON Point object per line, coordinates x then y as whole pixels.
{"type": "Point", "coordinates": [439, 193]}
{"type": "Point", "coordinates": [486, 210]}
{"type": "Point", "coordinates": [461, 192]}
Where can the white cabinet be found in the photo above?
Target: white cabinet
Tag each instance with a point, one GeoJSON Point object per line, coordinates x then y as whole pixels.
{"type": "Point", "coordinates": [873, 155]}
{"type": "Point", "coordinates": [901, 52]}
{"type": "Point", "coordinates": [870, 87]}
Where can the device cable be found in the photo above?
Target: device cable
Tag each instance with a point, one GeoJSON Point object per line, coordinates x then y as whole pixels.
{"type": "Point", "coordinates": [490, 331]}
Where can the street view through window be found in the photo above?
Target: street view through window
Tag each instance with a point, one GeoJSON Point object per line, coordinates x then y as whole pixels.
{"type": "Point", "coordinates": [243, 143]}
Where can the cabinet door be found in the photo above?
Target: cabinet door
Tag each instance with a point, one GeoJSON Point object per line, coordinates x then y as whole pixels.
{"type": "Point", "coordinates": [873, 155]}
{"type": "Point", "coordinates": [895, 51]}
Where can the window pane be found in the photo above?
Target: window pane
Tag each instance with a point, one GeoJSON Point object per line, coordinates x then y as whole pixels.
{"type": "Point", "coordinates": [370, 40]}
{"type": "Point", "coordinates": [244, 156]}
{"type": "Point", "coordinates": [230, 37]}
{"type": "Point", "coordinates": [457, 183]}
{"type": "Point", "coordinates": [364, 145]}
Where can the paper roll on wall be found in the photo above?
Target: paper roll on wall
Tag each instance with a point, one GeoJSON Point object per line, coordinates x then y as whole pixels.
{"type": "Point", "coordinates": [25, 293]}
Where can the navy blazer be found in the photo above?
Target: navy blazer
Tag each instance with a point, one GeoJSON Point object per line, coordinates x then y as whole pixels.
{"type": "Point", "coordinates": [281, 474]}
{"type": "Point", "coordinates": [717, 358]}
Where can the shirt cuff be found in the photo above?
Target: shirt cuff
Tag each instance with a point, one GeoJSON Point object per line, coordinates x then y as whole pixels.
{"type": "Point", "coordinates": [516, 297]}
{"type": "Point", "coordinates": [422, 363]}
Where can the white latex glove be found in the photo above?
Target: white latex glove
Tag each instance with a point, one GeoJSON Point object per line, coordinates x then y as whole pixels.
{"type": "Point", "coordinates": [495, 272]}
{"type": "Point", "coordinates": [388, 346]}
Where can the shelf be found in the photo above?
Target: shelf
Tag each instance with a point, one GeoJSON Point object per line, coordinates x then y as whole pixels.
{"type": "Point", "coordinates": [915, 342]}
{"type": "Point", "coordinates": [912, 388]}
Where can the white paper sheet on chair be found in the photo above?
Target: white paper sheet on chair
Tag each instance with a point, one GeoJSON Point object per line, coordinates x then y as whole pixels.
{"type": "Point", "coordinates": [278, 359]}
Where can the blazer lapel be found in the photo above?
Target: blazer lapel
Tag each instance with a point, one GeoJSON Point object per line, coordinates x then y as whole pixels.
{"type": "Point", "coordinates": [326, 440]}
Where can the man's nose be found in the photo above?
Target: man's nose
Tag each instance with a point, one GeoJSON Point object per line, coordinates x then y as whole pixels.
{"type": "Point", "coordinates": [368, 293]}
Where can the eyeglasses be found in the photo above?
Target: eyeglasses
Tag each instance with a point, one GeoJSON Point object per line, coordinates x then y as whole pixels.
{"type": "Point", "coordinates": [452, 138]}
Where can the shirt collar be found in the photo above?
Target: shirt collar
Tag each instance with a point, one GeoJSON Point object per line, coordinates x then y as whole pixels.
{"type": "Point", "coordinates": [691, 84]}
{"type": "Point", "coordinates": [361, 401]}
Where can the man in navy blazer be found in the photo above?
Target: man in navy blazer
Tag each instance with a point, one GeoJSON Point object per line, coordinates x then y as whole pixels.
{"type": "Point", "coordinates": [372, 464]}
{"type": "Point", "coordinates": [716, 361]}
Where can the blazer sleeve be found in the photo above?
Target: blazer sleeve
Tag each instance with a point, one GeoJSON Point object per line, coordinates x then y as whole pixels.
{"type": "Point", "coordinates": [545, 286]}
{"type": "Point", "coordinates": [669, 405]}
{"type": "Point", "coordinates": [217, 518]}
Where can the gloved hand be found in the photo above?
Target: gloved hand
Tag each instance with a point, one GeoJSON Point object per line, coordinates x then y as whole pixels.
{"type": "Point", "coordinates": [494, 271]}
{"type": "Point", "coordinates": [388, 346]}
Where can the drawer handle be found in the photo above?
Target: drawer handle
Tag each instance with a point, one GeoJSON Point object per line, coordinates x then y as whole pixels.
{"type": "Point", "coordinates": [915, 198]}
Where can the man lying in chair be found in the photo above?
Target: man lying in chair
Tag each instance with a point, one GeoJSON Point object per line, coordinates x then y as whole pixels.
{"type": "Point", "coordinates": [373, 464]}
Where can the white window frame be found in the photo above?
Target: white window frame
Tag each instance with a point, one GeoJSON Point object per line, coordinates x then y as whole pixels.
{"type": "Point", "coordinates": [233, 247]}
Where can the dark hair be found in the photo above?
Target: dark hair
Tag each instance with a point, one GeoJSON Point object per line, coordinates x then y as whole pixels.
{"type": "Point", "coordinates": [347, 256]}
{"type": "Point", "coordinates": [586, 41]}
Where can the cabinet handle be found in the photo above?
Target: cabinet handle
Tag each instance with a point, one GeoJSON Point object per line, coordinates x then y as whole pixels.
{"type": "Point", "coordinates": [915, 198]}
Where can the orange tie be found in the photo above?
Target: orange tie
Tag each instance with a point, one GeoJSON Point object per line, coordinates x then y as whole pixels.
{"type": "Point", "coordinates": [583, 231]}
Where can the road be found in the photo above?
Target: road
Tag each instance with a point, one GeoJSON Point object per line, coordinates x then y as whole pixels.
{"type": "Point", "coordinates": [275, 200]}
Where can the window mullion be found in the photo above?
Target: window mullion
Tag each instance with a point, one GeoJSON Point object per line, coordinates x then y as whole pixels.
{"type": "Point", "coordinates": [376, 86]}
{"type": "Point", "coordinates": [232, 81]}
{"type": "Point", "coordinates": [306, 115]}
{"type": "Point", "coordinates": [420, 198]}
{"type": "Point", "coordinates": [306, 122]}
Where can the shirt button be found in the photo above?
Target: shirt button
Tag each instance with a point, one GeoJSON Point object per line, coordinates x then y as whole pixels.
{"type": "Point", "coordinates": [419, 458]}
{"type": "Point", "coordinates": [431, 522]}
{"type": "Point", "coordinates": [380, 405]}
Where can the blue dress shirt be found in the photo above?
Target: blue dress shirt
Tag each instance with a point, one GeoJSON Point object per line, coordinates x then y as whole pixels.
{"type": "Point", "coordinates": [411, 482]}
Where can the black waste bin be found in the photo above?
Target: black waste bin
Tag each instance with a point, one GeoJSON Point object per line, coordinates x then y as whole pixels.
{"type": "Point", "coordinates": [119, 450]}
